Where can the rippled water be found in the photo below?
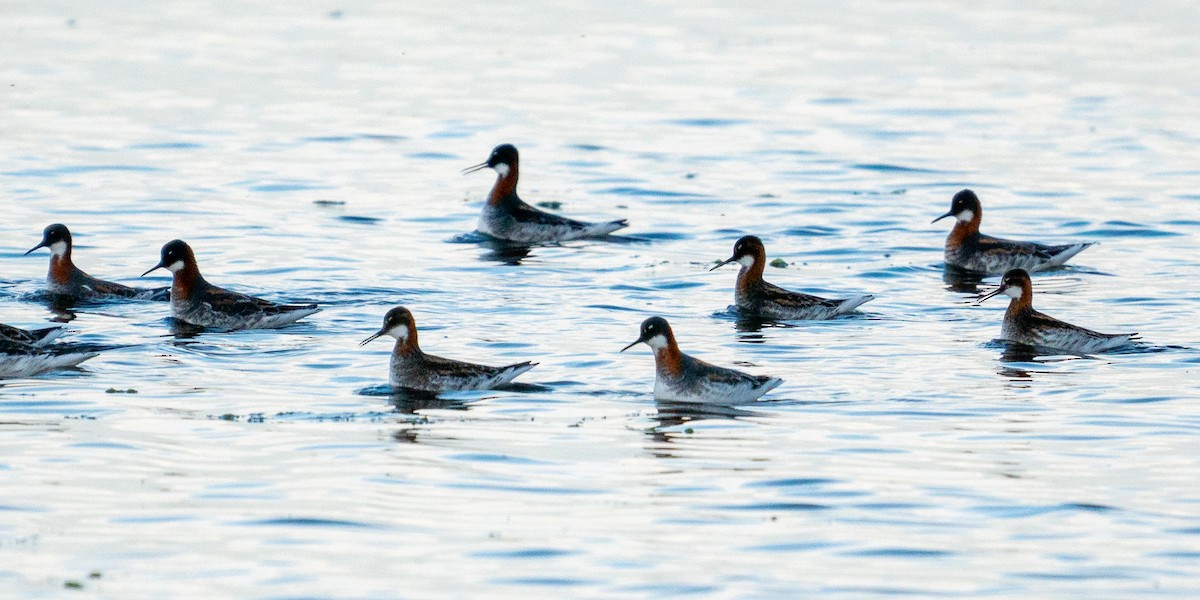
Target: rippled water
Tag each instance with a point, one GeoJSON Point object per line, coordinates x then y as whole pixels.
{"type": "Point", "coordinates": [311, 152]}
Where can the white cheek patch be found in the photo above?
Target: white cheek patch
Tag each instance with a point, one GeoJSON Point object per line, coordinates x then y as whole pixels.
{"type": "Point", "coordinates": [175, 267]}
{"type": "Point", "coordinates": [1014, 291]}
{"type": "Point", "coordinates": [746, 261]}
{"type": "Point", "coordinates": [658, 341]}
{"type": "Point", "coordinates": [965, 216]}
{"type": "Point", "coordinates": [399, 332]}
{"type": "Point", "coordinates": [501, 170]}
{"type": "Point", "coordinates": [58, 248]}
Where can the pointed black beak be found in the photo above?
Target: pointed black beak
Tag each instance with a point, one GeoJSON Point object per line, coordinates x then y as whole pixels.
{"type": "Point", "coordinates": [153, 269]}
{"type": "Point", "coordinates": [371, 339]}
{"type": "Point", "coordinates": [949, 214]}
{"type": "Point", "coordinates": [723, 263]}
{"type": "Point", "coordinates": [991, 294]}
{"type": "Point", "coordinates": [473, 168]}
{"type": "Point", "coordinates": [41, 245]}
{"type": "Point", "coordinates": [635, 342]}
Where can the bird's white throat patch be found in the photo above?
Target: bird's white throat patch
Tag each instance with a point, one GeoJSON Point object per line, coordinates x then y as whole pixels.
{"type": "Point", "coordinates": [965, 216]}
{"type": "Point", "coordinates": [501, 170]}
{"type": "Point", "coordinates": [58, 248]}
{"type": "Point", "coordinates": [657, 342]}
{"type": "Point", "coordinates": [175, 267]}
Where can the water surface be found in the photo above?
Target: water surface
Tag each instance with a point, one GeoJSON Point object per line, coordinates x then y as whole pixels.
{"type": "Point", "coordinates": [311, 152]}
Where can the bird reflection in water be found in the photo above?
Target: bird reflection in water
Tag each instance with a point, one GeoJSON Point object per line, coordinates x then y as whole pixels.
{"type": "Point", "coordinates": [674, 414]}
{"type": "Point", "coordinates": [408, 435]}
{"type": "Point", "coordinates": [62, 314]}
{"type": "Point", "coordinates": [962, 281]}
{"type": "Point", "coordinates": [501, 251]}
{"type": "Point", "coordinates": [1016, 360]}
{"type": "Point", "coordinates": [410, 402]}
{"type": "Point", "coordinates": [59, 305]}
{"type": "Point", "coordinates": [182, 330]}
{"type": "Point", "coordinates": [751, 327]}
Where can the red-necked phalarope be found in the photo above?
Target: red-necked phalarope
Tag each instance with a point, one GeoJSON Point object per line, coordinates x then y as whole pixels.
{"type": "Point", "coordinates": [757, 298]}
{"type": "Point", "coordinates": [970, 250]}
{"type": "Point", "coordinates": [681, 378]}
{"type": "Point", "coordinates": [1024, 325]}
{"type": "Point", "coordinates": [65, 279]}
{"type": "Point", "coordinates": [24, 360]}
{"type": "Point", "coordinates": [412, 369]}
{"type": "Point", "coordinates": [198, 302]}
{"type": "Point", "coordinates": [507, 217]}
{"type": "Point", "coordinates": [33, 337]}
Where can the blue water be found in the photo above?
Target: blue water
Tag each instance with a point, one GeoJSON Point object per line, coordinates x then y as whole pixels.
{"type": "Point", "coordinates": [311, 152]}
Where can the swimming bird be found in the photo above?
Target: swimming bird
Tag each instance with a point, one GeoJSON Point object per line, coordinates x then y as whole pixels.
{"type": "Point", "coordinates": [412, 369]}
{"type": "Point", "coordinates": [757, 298]}
{"type": "Point", "coordinates": [33, 337]}
{"type": "Point", "coordinates": [198, 302]}
{"type": "Point", "coordinates": [970, 250]}
{"type": "Point", "coordinates": [682, 378]}
{"type": "Point", "coordinates": [65, 279]}
{"type": "Point", "coordinates": [1024, 325]}
{"type": "Point", "coordinates": [507, 217]}
{"type": "Point", "coordinates": [24, 360]}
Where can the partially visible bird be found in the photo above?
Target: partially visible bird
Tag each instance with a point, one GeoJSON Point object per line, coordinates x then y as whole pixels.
{"type": "Point", "coordinates": [33, 337]}
{"type": "Point", "coordinates": [24, 360]}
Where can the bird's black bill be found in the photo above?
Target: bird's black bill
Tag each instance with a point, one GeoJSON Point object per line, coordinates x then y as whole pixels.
{"type": "Point", "coordinates": [153, 269]}
{"type": "Point", "coordinates": [370, 339]}
{"type": "Point", "coordinates": [949, 214]}
{"type": "Point", "coordinates": [992, 294]}
{"type": "Point", "coordinates": [723, 263]}
{"type": "Point", "coordinates": [41, 245]}
{"type": "Point", "coordinates": [635, 342]}
{"type": "Point", "coordinates": [472, 169]}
